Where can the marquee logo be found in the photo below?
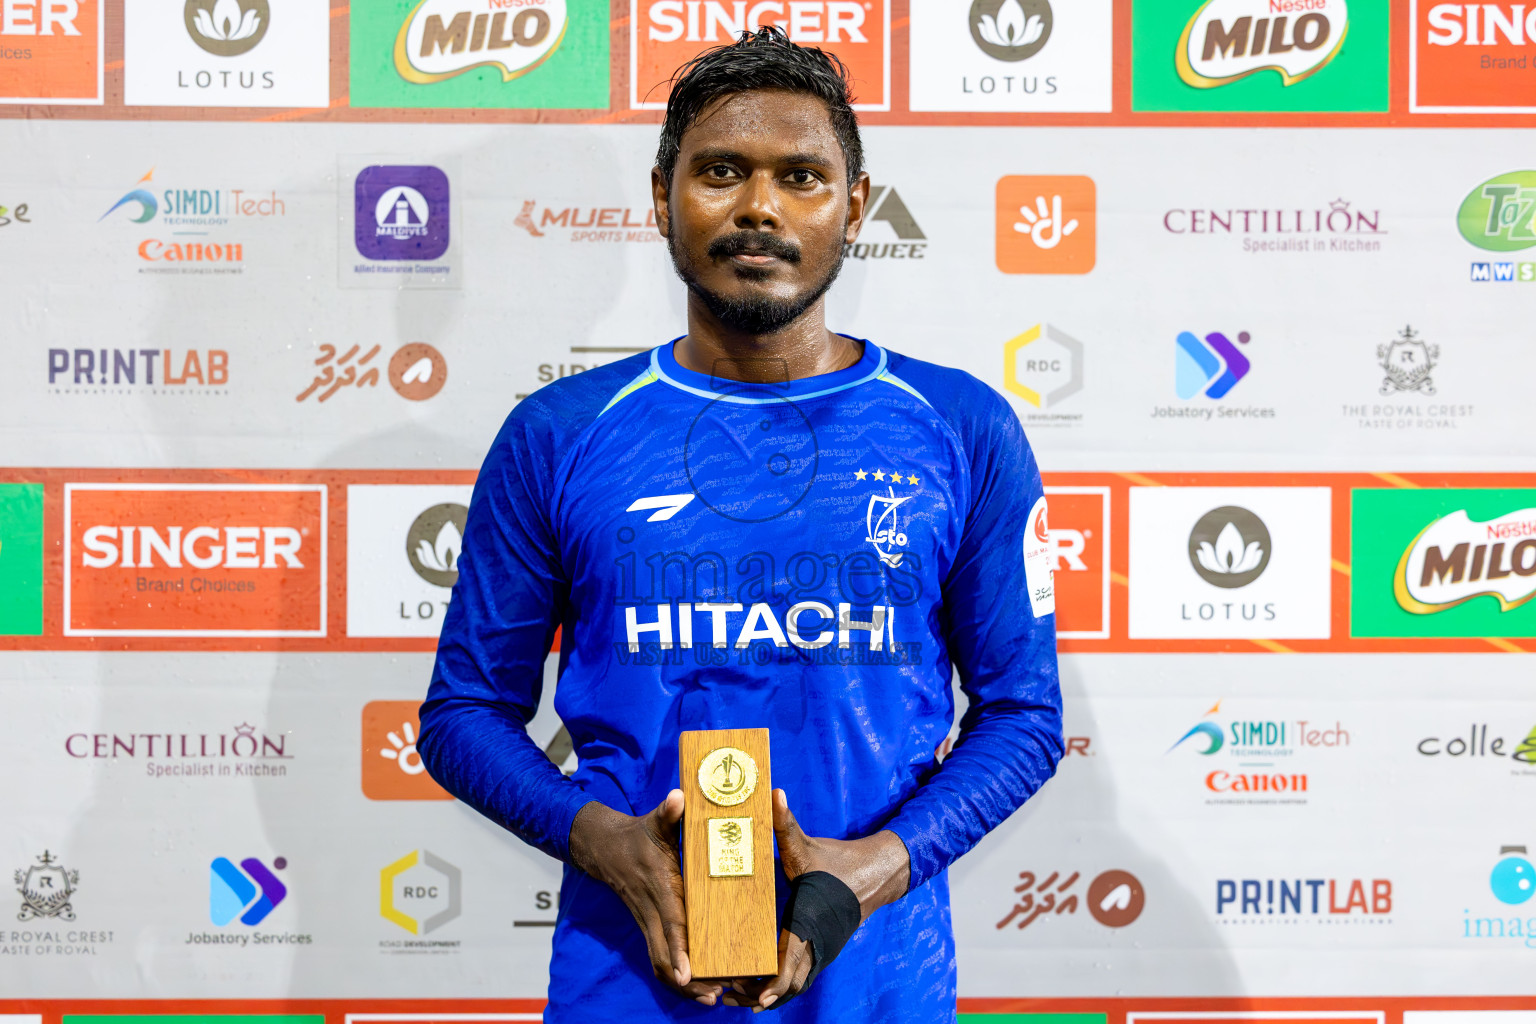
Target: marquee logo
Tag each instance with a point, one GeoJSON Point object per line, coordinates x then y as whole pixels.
{"type": "Point", "coordinates": [1010, 30]}
{"type": "Point", "coordinates": [1211, 367]}
{"type": "Point", "coordinates": [51, 51]}
{"type": "Point", "coordinates": [1456, 559]}
{"type": "Point", "coordinates": [886, 207]}
{"type": "Point", "coordinates": [402, 213]}
{"type": "Point", "coordinates": [665, 34]}
{"type": "Point", "coordinates": [227, 28]}
{"type": "Point", "coordinates": [249, 892]}
{"type": "Point", "coordinates": [1500, 214]}
{"type": "Point", "coordinates": [1227, 40]}
{"type": "Point", "coordinates": [443, 39]}
{"type": "Point", "coordinates": [1472, 58]}
{"type": "Point", "coordinates": [194, 560]}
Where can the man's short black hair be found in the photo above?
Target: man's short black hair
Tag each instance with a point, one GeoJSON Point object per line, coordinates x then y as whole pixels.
{"type": "Point", "coordinates": [765, 59]}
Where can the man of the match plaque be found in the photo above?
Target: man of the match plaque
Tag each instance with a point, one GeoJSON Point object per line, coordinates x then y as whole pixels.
{"type": "Point", "coordinates": [728, 878]}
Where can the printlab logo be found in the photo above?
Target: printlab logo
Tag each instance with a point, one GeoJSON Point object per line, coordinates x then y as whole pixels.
{"type": "Point", "coordinates": [1046, 224]}
{"type": "Point", "coordinates": [1009, 30]}
{"type": "Point", "coordinates": [1114, 898]}
{"type": "Point", "coordinates": [886, 207]}
{"type": "Point", "coordinates": [392, 767]}
{"type": "Point", "coordinates": [249, 892]}
{"type": "Point", "coordinates": [434, 541]}
{"type": "Point", "coordinates": [1229, 547]}
{"type": "Point", "coordinates": [417, 372]}
{"type": "Point", "coordinates": [1471, 58]}
{"type": "Point", "coordinates": [227, 28]}
{"type": "Point", "coordinates": [47, 890]}
{"type": "Point", "coordinates": [1044, 366]}
{"type": "Point", "coordinates": [420, 892]}
{"type": "Point", "coordinates": [1211, 367]}
{"type": "Point", "coordinates": [1300, 901]}
{"type": "Point", "coordinates": [402, 213]}
{"type": "Point", "coordinates": [101, 371]}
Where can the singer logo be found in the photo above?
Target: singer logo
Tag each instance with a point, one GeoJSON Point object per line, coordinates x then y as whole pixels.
{"type": "Point", "coordinates": [209, 560]}
{"type": "Point", "coordinates": [1079, 547]}
{"type": "Point", "coordinates": [1472, 58]}
{"type": "Point", "coordinates": [50, 51]}
{"type": "Point", "coordinates": [665, 34]}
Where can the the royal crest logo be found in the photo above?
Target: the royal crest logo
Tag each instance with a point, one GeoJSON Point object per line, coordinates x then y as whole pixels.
{"type": "Point", "coordinates": [883, 527]}
{"type": "Point", "coordinates": [443, 39]}
{"type": "Point", "coordinates": [47, 889]}
{"type": "Point", "coordinates": [1457, 558]}
{"type": "Point", "coordinates": [1228, 40]}
{"type": "Point", "coordinates": [1408, 361]}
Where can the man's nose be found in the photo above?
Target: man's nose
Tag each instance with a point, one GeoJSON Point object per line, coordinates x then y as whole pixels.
{"type": "Point", "coordinates": [758, 208]}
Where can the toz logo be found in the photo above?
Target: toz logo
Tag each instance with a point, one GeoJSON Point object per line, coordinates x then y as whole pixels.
{"type": "Point", "coordinates": [1500, 214]}
{"type": "Point", "coordinates": [249, 892]}
{"type": "Point", "coordinates": [1212, 366]}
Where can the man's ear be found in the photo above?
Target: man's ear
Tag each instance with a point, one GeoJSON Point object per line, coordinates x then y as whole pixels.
{"type": "Point", "coordinates": [659, 194]}
{"type": "Point", "coordinates": [858, 201]}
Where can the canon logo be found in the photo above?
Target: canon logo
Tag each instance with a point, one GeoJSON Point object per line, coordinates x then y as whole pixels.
{"type": "Point", "coordinates": [720, 21]}
{"type": "Point", "coordinates": [201, 547]}
{"type": "Point", "coordinates": [1481, 24]}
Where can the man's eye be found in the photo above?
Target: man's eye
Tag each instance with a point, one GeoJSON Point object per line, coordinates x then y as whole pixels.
{"type": "Point", "coordinates": [720, 171]}
{"type": "Point", "coordinates": [801, 177]}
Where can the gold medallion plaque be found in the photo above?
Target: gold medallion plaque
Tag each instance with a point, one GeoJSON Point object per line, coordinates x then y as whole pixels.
{"type": "Point", "coordinates": [730, 847]}
{"type": "Point", "coordinates": [727, 776]}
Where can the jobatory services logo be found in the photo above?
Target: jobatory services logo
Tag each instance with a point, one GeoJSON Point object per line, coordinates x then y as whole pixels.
{"type": "Point", "coordinates": [1211, 562]}
{"type": "Point", "coordinates": [580, 223]}
{"type": "Point", "coordinates": [392, 768]}
{"type": "Point", "coordinates": [403, 544]}
{"type": "Point", "coordinates": [1078, 532]}
{"type": "Point", "coordinates": [1472, 58]}
{"type": "Point", "coordinates": [1405, 386]}
{"type": "Point", "coordinates": [1205, 370]}
{"type": "Point", "coordinates": [420, 893]}
{"type": "Point", "coordinates": [240, 752]}
{"type": "Point", "coordinates": [1500, 216]}
{"type": "Point", "coordinates": [1511, 883]}
{"type": "Point", "coordinates": [479, 53]}
{"type": "Point", "coordinates": [194, 230]}
{"type": "Point", "coordinates": [404, 226]}
{"type": "Point", "coordinates": [1443, 563]}
{"type": "Point", "coordinates": [1300, 901]}
{"type": "Point", "coordinates": [51, 51]}
{"type": "Point", "coordinates": [21, 559]}
{"type": "Point", "coordinates": [887, 217]}
{"type": "Point", "coordinates": [1260, 55]}
{"type": "Point", "coordinates": [249, 892]}
{"type": "Point", "coordinates": [195, 560]}
{"type": "Point", "coordinates": [665, 34]}
{"type": "Point", "coordinates": [227, 53]}
{"type": "Point", "coordinates": [1046, 224]}
{"type": "Point", "coordinates": [1012, 55]}
{"type": "Point", "coordinates": [1044, 366]}
{"type": "Point", "coordinates": [1114, 898]}
{"type": "Point", "coordinates": [1257, 758]}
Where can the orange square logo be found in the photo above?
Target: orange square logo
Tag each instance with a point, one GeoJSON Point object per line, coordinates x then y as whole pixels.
{"type": "Point", "coordinates": [666, 34]}
{"type": "Point", "coordinates": [1079, 532]}
{"type": "Point", "coordinates": [1473, 58]}
{"type": "Point", "coordinates": [194, 560]}
{"type": "Point", "coordinates": [392, 769]}
{"type": "Point", "coordinates": [50, 51]}
{"type": "Point", "coordinates": [1046, 224]}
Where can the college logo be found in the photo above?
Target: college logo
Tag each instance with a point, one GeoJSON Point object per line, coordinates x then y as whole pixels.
{"type": "Point", "coordinates": [392, 769]}
{"type": "Point", "coordinates": [885, 206]}
{"type": "Point", "coordinates": [249, 892]}
{"type": "Point", "coordinates": [1211, 367]}
{"type": "Point", "coordinates": [479, 53]}
{"type": "Point", "coordinates": [1408, 362]}
{"type": "Point", "coordinates": [226, 53]}
{"type": "Point", "coordinates": [402, 213]}
{"type": "Point", "coordinates": [1046, 224]}
{"type": "Point", "coordinates": [1114, 899]}
{"type": "Point", "coordinates": [195, 560]}
{"type": "Point", "coordinates": [51, 51]}
{"type": "Point", "coordinates": [420, 892]}
{"type": "Point", "coordinates": [227, 28]}
{"type": "Point", "coordinates": [21, 559]}
{"type": "Point", "coordinates": [47, 890]}
{"type": "Point", "coordinates": [1209, 562]}
{"type": "Point", "coordinates": [1471, 58]}
{"type": "Point", "coordinates": [665, 34]}
{"type": "Point", "coordinates": [1477, 745]}
{"type": "Point", "coordinates": [1079, 540]}
{"type": "Point", "coordinates": [1227, 40]}
{"type": "Point", "coordinates": [1229, 547]}
{"type": "Point", "coordinates": [16, 215]}
{"type": "Point", "coordinates": [1044, 366]}
{"type": "Point", "coordinates": [403, 544]}
{"type": "Point", "coordinates": [1500, 214]}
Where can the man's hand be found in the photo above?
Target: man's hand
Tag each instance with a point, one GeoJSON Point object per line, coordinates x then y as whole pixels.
{"type": "Point", "coordinates": [876, 868]}
{"type": "Point", "coordinates": [637, 859]}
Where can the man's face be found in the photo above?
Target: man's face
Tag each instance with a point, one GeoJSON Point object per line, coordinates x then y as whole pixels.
{"type": "Point", "coordinates": [758, 209]}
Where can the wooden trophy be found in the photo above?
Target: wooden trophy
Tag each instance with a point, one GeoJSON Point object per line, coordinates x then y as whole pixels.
{"type": "Point", "coordinates": [728, 878]}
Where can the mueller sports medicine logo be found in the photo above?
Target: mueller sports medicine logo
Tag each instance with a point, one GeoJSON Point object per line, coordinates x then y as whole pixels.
{"type": "Point", "coordinates": [443, 39]}
{"type": "Point", "coordinates": [195, 560]}
{"type": "Point", "coordinates": [667, 33]}
{"type": "Point", "coordinates": [1457, 559]}
{"type": "Point", "coordinates": [401, 213]}
{"type": "Point", "coordinates": [1227, 40]}
{"type": "Point", "coordinates": [589, 223]}
{"type": "Point", "coordinates": [1472, 58]}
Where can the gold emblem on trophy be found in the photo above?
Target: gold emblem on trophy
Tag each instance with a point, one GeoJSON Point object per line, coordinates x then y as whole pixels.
{"type": "Point", "coordinates": [727, 776]}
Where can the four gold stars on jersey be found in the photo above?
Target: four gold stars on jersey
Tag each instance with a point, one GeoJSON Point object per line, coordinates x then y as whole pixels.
{"type": "Point", "coordinates": [880, 474]}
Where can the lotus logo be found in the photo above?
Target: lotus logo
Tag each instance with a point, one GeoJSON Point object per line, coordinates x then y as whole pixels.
{"type": "Point", "coordinates": [227, 28]}
{"type": "Point", "coordinates": [1457, 558]}
{"type": "Point", "coordinates": [1011, 30]}
{"type": "Point", "coordinates": [434, 541]}
{"type": "Point", "coordinates": [1229, 547]}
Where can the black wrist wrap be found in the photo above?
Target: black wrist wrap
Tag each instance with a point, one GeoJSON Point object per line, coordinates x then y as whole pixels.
{"type": "Point", "coordinates": [824, 912]}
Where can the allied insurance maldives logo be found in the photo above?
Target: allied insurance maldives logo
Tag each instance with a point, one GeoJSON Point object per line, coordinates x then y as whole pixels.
{"type": "Point", "coordinates": [1443, 563]}
{"type": "Point", "coordinates": [195, 560]}
{"type": "Point", "coordinates": [665, 34]}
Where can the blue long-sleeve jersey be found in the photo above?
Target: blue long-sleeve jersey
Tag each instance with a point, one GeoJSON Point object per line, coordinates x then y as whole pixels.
{"type": "Point", "coordinates": [814, 557]}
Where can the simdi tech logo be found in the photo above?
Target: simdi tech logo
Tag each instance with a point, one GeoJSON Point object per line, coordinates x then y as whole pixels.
{"type": "Point", "coordinates": [1259, 758]}
{"type": "Point", "coordinates": [1046, 224]}
{"type": "Point", "coordinates": [479, 53]}
{"type": "Point", "coordinates": [1012, 55]}
{"type": "Point", "coordinates": [1260, 55]}
{"type": "Point", "coordinates": [195, 560]}
{"type": "Point", "coordinates": [665, 34]}
{"type": "Point", "coordinates": [187, 226]}
{"type": "Point", "coordinates": [51, 51]}
{"type": "Point", "coordinates": [1443, 563]}
{"type": "Point", "coordinates": [1472, 58]}
{"type": "Point", "coordinates": [21, 559]}
{"type": "Point", "coordinates": [227, 53]}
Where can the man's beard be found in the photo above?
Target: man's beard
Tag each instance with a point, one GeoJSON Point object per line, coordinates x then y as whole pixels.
{"type": "Point", "coordinates": [752, 314]}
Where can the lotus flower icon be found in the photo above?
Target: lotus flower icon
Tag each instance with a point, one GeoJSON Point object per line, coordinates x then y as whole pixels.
{"type": "Point", "coordinates": [1013, 30]}
{"type": "Point", "coordinates": [227, 28]}
{"type": "Point", "coordinates": [1229, 547]}
{"type": "Point", "coordinates": [1011, 27]}
{"type": "Point", "coordinates": [1230, 554]}
{"type": "Point", "coordinates": [442, 555]}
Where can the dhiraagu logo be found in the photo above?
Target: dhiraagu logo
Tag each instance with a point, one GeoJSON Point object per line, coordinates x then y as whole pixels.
{"type": "Point", "coordinates": [1500, 214]}
{"type": "Point", "coordinates": [21, 559]}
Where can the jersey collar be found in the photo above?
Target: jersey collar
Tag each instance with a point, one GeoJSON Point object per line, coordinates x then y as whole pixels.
{"type": "Point", "coordinates": [666, 367]}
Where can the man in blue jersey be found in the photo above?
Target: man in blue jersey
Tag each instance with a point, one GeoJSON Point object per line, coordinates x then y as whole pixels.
{"type": "Point", "coordinates": [760, 524]}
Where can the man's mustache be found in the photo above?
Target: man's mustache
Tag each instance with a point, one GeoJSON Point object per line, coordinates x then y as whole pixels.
{"type": "Point", "coordinates": [753, 243]}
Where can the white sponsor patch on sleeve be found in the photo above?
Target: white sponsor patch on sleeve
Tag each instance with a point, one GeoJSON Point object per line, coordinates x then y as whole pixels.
{"type": "Point", "coordinates": [1037, 562]}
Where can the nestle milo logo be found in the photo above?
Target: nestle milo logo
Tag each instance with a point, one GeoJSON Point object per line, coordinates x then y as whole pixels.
{"type": "Point", "coordinates": [1456, 558]}
{"type": "Point", "coordinates": [1227, 40]}
{"type": "Point", "coordinates": [1500, 214]}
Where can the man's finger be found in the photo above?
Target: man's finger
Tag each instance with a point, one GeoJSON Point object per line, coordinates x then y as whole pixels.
{"type": "Point", "coordinates": [794, 965]}
{"type": "Point", "coordinates": [789, 834]}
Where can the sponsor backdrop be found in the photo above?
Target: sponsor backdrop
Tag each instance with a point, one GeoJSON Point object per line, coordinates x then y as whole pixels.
{"type": "Point", "coordinates": [1256, 275]}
